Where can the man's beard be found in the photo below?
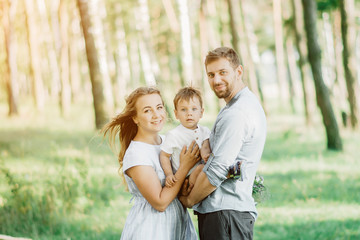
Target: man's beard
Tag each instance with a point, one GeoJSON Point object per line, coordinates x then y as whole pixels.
{"type": "Point", "coordinates": [223, 94]}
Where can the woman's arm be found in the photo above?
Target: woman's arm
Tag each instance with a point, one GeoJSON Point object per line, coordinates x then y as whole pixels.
{"type": "Point", "coordinates": [149, 184]}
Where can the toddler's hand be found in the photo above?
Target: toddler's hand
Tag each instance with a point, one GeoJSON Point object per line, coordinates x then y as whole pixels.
{"type": "Point", "coordinates": [170, 180]}
{"type": "Point", "coordinates": [205, 156]}
{"type": "Point", "coordinates": [205, 150]}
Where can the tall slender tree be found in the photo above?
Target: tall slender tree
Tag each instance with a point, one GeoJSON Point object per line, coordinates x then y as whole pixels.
{"type": "Point", "coordinates": [329, 51]}
{"type": "Point", "coordinates": [65, 92]}
{"type": "Point", "coordinates": [348, 64]}
{"type": "Point", "coordinates": [35, 65]}
{"type": "Point", "coordinates": [253, 78]}
{"type": "Point", "coordinates": [340, 85]}
{"type": "Point", "coordinates": [52, 66]}
{"type": "Point", "coordinates": [149, 61]}
{"type": "Point", "coordinates": [11, 76]}
{"type": "Point", "coordinates": [205, 46]}
{"type": "Point", "coordinates": [322, 95]}
{"type": "Point", "coordinates": [291, 63]}
{"type": "Point", "coordinates": [186, 54]}
{"type": "Point", "coordinates": [75, 42]}
{"type": "Point", "coordinates": [55, 51]}
{"type": "Point", "coordinates": [103, 103]}
{"type": "Point", "coordinates": [279, 47]}
{"type": "Point", "coordinates": [240, 42]}
{"type": "Point", "coordinates": [234, 24]}
{"type": "Point", "coordinates": [252, 41]}
{"type": "Point", "coordinates": [123, 74]}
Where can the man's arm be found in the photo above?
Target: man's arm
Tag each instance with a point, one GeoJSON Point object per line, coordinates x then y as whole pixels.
{"type": "Point", "coordinates": [227, 142]}
{"type": "Point", "coordinates": [201, 190]}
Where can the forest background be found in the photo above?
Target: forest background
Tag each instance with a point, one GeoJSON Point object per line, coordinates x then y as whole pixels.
{"type": "Point", "coordinates": [66, 67]}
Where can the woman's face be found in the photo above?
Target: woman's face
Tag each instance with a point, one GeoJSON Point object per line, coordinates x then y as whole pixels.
{"type": "Point", "coordinates": [150, 113]}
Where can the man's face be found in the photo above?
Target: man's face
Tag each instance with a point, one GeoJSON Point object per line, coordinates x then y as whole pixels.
{"type": "Point", "coordinates": [223, 78]}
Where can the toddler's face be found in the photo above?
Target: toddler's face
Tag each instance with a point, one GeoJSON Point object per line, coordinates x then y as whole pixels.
{"type": "Point", "coordinates": [189, 112]}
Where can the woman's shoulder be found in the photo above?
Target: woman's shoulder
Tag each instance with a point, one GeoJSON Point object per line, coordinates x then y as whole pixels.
{"type": "Point", "coordinates": [138, 154]}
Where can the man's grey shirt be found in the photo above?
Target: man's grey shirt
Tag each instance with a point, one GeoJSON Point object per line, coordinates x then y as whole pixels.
{"type": "Point", "coordinates": [239, 133]}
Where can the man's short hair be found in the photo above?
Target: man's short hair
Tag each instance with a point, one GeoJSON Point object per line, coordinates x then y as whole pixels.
{"type": "Point", "coordinates": [223, 52]}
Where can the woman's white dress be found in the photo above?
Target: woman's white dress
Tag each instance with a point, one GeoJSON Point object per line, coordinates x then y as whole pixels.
{"type": "Point", "coordinates": [143, 221]}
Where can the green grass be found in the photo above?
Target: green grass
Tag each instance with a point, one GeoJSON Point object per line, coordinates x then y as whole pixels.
{"type": "Point", "coordinates": [58, 180]}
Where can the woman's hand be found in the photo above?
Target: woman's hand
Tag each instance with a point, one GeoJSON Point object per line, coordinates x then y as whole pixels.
{"type": "Point", "coordinates": [190, 156]}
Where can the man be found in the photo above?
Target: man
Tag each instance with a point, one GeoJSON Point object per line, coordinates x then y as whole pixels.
{"type": "Point", "coordinates": [226, 208]}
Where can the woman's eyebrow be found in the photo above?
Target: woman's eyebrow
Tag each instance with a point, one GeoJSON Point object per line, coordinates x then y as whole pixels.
{"type": "Point", "coordinates": [146, 107]}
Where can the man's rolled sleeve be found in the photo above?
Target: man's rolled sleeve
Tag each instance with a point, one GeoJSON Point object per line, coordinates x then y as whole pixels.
{"type": "Point", "coordinates": [215, 172]}
{"type": "Point", "coordinates": [226, 142]}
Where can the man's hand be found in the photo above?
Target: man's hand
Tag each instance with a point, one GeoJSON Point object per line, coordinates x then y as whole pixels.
{"type": "Point", "coordinates": [184, 201]}
{"type": "Point", "coordinates": [184, 192]}
{"type": "Point", "coordinates": [186, 188]}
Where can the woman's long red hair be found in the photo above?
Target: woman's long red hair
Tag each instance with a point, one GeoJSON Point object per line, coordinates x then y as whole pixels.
{"type": "Point", "coordinates": [123, 124]}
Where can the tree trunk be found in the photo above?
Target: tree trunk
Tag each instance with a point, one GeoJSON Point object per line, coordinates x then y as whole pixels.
{"type": "Point", "coordinates": [252, 43]}
{"type": "Point", "coordinates": [170, 12]}
{"type": "Point", "coordinates": [103, 104]}
{"type": "Point", "coordinates": [50, 65]}
{"type": "Point", "coordinates": [149, 60]}
{"type": "Point", "coordinates": [279, 47]}
{"type": "Point", "coordinates": [212, 21]}
{"type": "Point", "coordinates": [146, 63]}
{"type": "Point", "coordinates": [186, 54]}
{"type": "Point", "coordinates": [75, 76]}
{"type": "Point", "coordinates": [234, 23]}
{"type": "Point", "coordinates": [322, 95]}
{"type": "Point", "coordinates": [75, 44]}
{"type": "Point", "coordinates": [244, 35]}
{"type": "Point", "coordinates": [329, 52]}
{"type": "Point", "coordinates": [204, 24]}
{"type": "Point", "coordinates": [348, 63]}
{"type": "Point", "coordinates": [298, 26]}
{"type": "Point", "coordinates": [241, 43]}
{"type": "Point", "coordinates": [340, 85]}
{"type": "Point", "coordinates": [35, 66]}
{"type": "Point", "coordinates": [135, 62]}
{"type": "Point", "coordinates": [123, 74]}
{"type": "Point", "coordinates": [54, 54]}
{"type": "Point", "coordinates": [292, 71]}
{"type": "Point", "coordinates": [65, 91]}
{"type": "Point", "coordinates": [11, 76]}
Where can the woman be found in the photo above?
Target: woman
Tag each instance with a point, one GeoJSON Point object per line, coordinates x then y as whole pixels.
{"type": "Point", "coordinates": [156, 213]}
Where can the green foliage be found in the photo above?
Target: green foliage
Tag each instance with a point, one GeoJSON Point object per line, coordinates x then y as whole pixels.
{"type": "Point", "coordinates": [313, 193]}
{"type": "Point", "coordinates": [41, 209]}
{"type": "Point", "coordinates": [58, 180]}
{"type": "Point", "coordinates": [327, 5]}
{"type": "Point", "coordinates": [260, 193]}
{"type": "Point", "coordinates": [24, 205]}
